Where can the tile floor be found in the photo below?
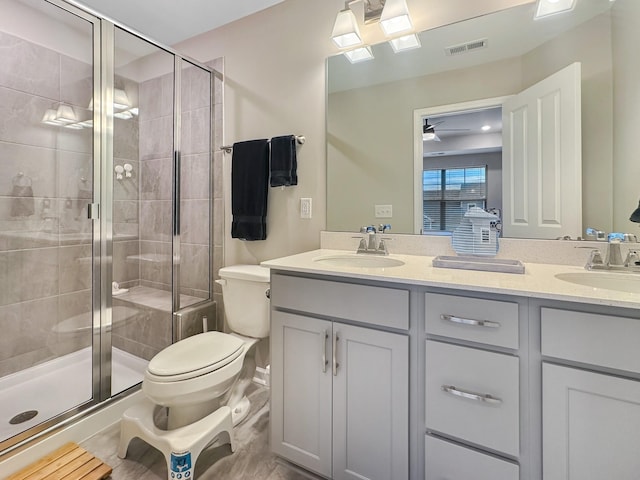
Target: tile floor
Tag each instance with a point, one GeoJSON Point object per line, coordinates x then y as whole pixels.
{"type": "Point", "coordinates": [251, 460]}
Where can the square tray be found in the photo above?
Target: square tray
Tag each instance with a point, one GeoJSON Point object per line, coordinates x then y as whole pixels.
{"type": "Point", "coordinates": [501, 265]}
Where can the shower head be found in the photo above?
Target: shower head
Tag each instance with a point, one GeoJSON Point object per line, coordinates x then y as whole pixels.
{"type": "Point", "coordinates": [635, 216]}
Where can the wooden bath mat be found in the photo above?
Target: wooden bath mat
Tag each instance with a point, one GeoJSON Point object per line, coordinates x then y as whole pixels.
{"type": "Point", "coordinates": [69, 462]}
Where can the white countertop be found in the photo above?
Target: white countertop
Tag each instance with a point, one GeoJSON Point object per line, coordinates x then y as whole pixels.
{"type": "Point", "coordinates": [538, 280]}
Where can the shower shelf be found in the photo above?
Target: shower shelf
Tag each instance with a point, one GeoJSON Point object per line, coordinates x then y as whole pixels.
{"type": "Point", "coordinates": [150, 257]}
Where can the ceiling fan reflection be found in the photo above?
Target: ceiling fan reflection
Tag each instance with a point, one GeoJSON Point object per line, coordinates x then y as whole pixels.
{"type": "Point", "coordinates": [429, 130]}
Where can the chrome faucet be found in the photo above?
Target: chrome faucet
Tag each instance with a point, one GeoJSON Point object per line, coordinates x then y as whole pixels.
{"type": "Point", "coordinates": [599, 235]}
{"type": "Point", "coordinates": [613, 257]}
{"type": "Point", "coordinates": [370, 244]}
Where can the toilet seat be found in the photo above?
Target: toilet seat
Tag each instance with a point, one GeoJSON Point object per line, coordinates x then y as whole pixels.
{"type": "Point", "coordinates": [194, 356]}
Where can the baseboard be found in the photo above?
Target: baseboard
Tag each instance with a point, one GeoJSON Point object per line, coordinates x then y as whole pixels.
{"type": "Point", "coordinates": [262, 376]}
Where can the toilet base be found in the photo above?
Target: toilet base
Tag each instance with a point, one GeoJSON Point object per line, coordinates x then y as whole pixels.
{"type": "Point", "coordinates": [240, 410]}
{"type": "Point", "coordinates": [181, 446]}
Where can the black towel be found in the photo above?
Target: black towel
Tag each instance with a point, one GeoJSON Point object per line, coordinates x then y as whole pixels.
{"type": "Point", "coordinates": [249, 188]}
{"type": "Point", "coordinates": [22, 204]}
{"type": "Point", "coordinates": [635, 215]}
{"type": "Point", "coordinates": [283, 161]}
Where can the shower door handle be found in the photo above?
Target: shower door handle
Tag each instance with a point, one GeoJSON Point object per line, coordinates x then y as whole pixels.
{"type": "Point", "coordinates": [93, 211]}
{"type": "Point", "coordinates": [176, 192]}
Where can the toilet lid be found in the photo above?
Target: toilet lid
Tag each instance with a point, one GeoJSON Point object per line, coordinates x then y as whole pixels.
{"type": "Point", "coordinates": [206, 351]}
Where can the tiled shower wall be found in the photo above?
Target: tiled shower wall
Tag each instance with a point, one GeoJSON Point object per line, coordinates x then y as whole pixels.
{"type": "Point", "coordinates": [156, 163]}
{"type": "Point", "coordinates": [126, 193]}
{"type": "Point", "coordinates": [43, 280]}
{"type": "Point", "coordinates": [148, 262]}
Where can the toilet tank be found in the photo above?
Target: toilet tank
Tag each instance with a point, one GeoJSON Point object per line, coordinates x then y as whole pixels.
{"type": "Point", "coordinates": [246, 305]}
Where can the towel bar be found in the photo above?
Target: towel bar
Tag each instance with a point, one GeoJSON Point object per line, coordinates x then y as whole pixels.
{"type": "Point", "coordinates": [300, 139]}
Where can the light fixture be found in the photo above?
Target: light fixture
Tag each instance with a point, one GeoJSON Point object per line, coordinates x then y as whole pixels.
{"type": "Point", "coordinates": [551, 7]}
{"type": "Point", "coordinates": [361, 54]}
{"type": "Point", "coordinates": [429, 132]}
{"type": "Point", "coordinates": [486, 128]}
{"type": "Point", "coordinates": [395, 17]}
{"type": "Point", "coordinates": [345, 32]}
{"type": "Point", "coordinates": [408, 42]}
{"type": "Point", "coordinates": [50, 117]}
{"type": "Point", "coordinates": [124, 115]}
{"type": "Point", "coordinates": [120, 99]}
{"type": "Point", "coordinates": [65, 114]}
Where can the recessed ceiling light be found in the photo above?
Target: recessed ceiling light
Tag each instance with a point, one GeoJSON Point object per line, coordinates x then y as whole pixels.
{"type": "Point", "coordinates": [486, 128]}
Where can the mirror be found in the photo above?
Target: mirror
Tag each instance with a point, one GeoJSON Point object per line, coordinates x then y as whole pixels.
{"type": "Point", "coordinates": [371, 107]}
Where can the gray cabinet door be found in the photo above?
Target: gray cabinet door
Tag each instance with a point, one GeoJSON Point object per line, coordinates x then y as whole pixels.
{"type": "Point", "coordinates": [301, 390]}
{"type": "Point", "coordinates": [591, 425]}
{"type": "Point", "coordinates": [370, 404]}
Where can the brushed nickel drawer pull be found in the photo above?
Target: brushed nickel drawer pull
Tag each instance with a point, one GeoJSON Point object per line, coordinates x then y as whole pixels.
{"type": "Point", "coordinates": [478, 397]}
{"type": "Point", "coordinates": [469, 321]}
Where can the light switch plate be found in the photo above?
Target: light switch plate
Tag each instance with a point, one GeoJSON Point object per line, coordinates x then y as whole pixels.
{"type": "Point", "coordinates": [384, 211]}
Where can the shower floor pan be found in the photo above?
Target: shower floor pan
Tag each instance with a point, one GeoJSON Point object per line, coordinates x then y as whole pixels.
{"type": "Point", "coordinates": [58, 385]}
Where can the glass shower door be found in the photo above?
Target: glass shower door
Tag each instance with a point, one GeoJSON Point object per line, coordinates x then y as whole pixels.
{"type": "Point", "coordinates": [46, 239]}
{"type": "Point", "coordinates": [141, 219]}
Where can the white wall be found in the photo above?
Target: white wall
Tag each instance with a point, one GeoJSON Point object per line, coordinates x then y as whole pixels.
{"type": "Point", "coordinates": [275, 84]}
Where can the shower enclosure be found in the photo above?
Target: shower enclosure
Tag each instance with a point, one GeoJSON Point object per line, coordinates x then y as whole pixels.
{"type": "Point", "coordinates": [106, 206]}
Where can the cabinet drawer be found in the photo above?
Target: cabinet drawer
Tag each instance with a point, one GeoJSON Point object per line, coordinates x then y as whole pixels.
{"type": "Point", "coordinates": [473, 395]}
{"type": "Point", "coordinates": [491, 322]}
{"type": "Point", "coordinates": [445, 460]}
{"type": "Point", "coordinates": [388, 307]}
{"type": "Point", "coordinates": [604, 340]}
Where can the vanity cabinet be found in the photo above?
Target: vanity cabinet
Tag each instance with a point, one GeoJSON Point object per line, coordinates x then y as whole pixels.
{"type": "Point", "coordinates": [472, 388]}
{"type": "Point", "coordinates": [380, 379]}
{"type": "Point", "coordinates": [340, 389]}
{"type": "Point", "coordinates": [591, 418]}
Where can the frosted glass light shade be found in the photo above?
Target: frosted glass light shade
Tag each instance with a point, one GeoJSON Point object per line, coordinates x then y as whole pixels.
{"type": "Point", "coordinates": [551, 7]}
{"type": "Point", "coordinates": [50, 117]}
{"type": "Point", "coordinates": [120, 99]}
{"type": "Point", "coordinates": [408, 42]}
{"type": "Point", "coordinates": [395, 17]}
{"type": "Point", "coordinates": [361, 54]}
{"type": "Point", "coordinates": [345, 32]}
{"type": "Point", "coordinates": [429, 136]}
{"type": "Point", "coordinates": [65, 114]}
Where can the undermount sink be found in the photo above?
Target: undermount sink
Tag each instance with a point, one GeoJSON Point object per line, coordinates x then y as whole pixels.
{"type": "Point", "coordinates": [619, 282]}
{"type": "Point", "coordinates": [359, 260]}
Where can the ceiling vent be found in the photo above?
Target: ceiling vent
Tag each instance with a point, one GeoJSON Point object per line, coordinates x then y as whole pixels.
{"type": "Point", "coordinates": [466, 47]}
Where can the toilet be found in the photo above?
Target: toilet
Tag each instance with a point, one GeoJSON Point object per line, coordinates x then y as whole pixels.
{"type": "Point", "coordinates": [202, 379]}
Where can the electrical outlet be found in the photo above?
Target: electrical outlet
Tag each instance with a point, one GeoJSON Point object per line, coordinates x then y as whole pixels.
{"type": "Point", "coordinates": [384, 211]}
{"type": "Point", "coordinates": [305, 208]}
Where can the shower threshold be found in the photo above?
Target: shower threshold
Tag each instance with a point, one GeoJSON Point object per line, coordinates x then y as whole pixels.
{"type": "Point", "coordinates": [58, 385]}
